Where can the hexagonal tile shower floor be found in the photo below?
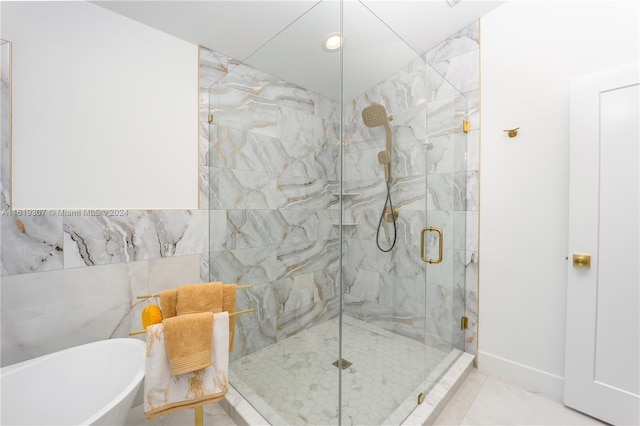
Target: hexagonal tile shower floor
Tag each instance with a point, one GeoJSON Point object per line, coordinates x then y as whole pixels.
{"type": "Point", "coordinates": [295, 381]}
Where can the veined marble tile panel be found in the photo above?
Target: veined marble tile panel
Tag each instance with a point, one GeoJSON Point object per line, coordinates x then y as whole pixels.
{"type": "Point", "coordinates": [31, 243]}
{"type": "Point", "coordinates": [203, 182]}
{"type": "Point", "coordinates": [463, 41]}
{"type": "Point", "coordinates": [440, 192]}
{"type": "Point", "coordinates": [445, 115]}
{"type": "Point", "coordinates": [262, 298]}
{"type": "Point", "coordinates": [403, 261]}
{"type": "Point", "coordinates": [361, 159]}
{"type": "Point", "coordinates": [44, 312]}
{"type": "Point", "coordinates": [296, 292]}
{"type": "Point", "coordinates": [213, 67]}
{"type": "Point", "coordinates": [441, 303]}
{"type": "Point", "coordinates": [293, 322]}
{"type": "Point", "coordinates": [473, 108]}
{"type": "Point", "coordinates": [246, 266]}
{"type": "Point", "coordinates": [463, 71]}
{"type": "Point", "coordinates": [440, 273]}
{"type": "Point", "coordinates": [296, 192]}
{"type": "Point", "coordinates": [311, 256]}
{"type": "Point", "coordinates": [234, 148]}
{"type": "Point", "coordinates": [441, 153]}
{"type": "Point", "coordinates": [252, 337]}
{"type": "Point", "coordinates": [361, 284]}
{"type": "Point", "coordinates": [409, 192]}
{"type": "Point", "coordinates": [327, 109]}
{"type": "Point", "coordinates": [404, 294]}
{"type": "Point", "coordinates": [459, 268]}
{"type": "Point", "coordinates": [256, 228]}
{"type": "Point", "coordinates": [409, 158]}
{"type": "Point", "coordinates": [408, 225]}
{"type": "Point", "coordinates": [142, 234]}
{"type": "Point", "coordinates": [406, 90]}
{"type": "Point", "coordinates": [301, 126]}
{"type": "Point", "coordinates": [471, 271]}
{"type": "Point", "coordinates": [299, 291]}
{"type": "Point", "coordinates": [363, 164]}
{"type": "Point", "coordinates": [460, 199]}
{"type": "Point", "coordinates": [203, 143]}
{"type": "Point", "coordinates": [235, 106]}
{"type": "Point", "coordinates": [217, 230]}
{"type": "Point", "coordinates": [459, 230]}
{"type": "Point", "coordinates": [239, 189]}
{"type": "Point", "coordinates": [438, 88]}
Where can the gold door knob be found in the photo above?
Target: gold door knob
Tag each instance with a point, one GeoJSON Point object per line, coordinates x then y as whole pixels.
{"type": "Point", "coordinates": [581, 260]}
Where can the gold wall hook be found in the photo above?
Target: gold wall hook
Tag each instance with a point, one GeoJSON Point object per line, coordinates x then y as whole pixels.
{"type": "Point", "coordinates": [512, 133]}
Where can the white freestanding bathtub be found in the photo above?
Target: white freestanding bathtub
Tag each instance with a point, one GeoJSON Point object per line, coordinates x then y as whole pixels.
{"type": "Point", "coordinates": [92, 384]}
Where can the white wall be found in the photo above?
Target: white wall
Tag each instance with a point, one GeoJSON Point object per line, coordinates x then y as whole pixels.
{"type": "Point", "coordinates": [105, 110]}
{"type": "Point", "coordinates": [529, 52]}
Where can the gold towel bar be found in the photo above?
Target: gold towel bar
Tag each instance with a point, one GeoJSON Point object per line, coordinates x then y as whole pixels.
{"type": "Point", "coordinates": [246, 311]}
{"type": "Point", "coordinates": [149, 296]}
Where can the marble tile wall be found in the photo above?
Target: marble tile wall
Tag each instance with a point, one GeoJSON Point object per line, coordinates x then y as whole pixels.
{"type": "Point", "coordinates": [272, 158]}
{"type": "Point", "coordinates": [428, 107]}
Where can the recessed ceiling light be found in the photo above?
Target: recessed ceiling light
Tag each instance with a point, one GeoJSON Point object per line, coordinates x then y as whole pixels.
{"type": "Point", "coordinates": [332, 42]}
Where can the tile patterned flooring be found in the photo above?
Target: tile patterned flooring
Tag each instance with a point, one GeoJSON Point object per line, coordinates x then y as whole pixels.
{"type": "Point", "coordinates": [481, 400]}
{"type": "Point", "coordinates": [294, 381]}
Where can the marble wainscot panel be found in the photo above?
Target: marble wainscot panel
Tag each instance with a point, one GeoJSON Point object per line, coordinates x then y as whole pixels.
{"type": "Point", "coordinates": [44, 312]}
{"type": "Point", "coordinates": [136, 235]}
{"type": "Point", "coordinates": [31, 243]}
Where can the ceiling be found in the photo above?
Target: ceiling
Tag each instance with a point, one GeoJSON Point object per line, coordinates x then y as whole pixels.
{"type": "Point", "coordinates": [285, 38]}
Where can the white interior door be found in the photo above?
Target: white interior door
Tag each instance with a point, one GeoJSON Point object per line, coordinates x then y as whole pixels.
{"type": "Point", "coordinates": [602, 363]}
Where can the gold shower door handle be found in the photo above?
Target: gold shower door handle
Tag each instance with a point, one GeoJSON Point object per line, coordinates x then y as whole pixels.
{"type": "Point", "coordinates": [440, 242]}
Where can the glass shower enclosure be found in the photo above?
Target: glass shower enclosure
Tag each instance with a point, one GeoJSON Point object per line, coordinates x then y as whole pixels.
{"type": "Point", "coordinates": [337, 187]}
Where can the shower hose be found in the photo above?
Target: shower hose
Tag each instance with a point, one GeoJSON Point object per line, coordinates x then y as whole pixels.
{"type": "Point", "coordinates": [387, 203]}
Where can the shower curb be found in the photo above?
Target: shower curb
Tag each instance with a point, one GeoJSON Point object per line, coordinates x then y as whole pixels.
{"type": "Point", "coordinates": [442, 392]}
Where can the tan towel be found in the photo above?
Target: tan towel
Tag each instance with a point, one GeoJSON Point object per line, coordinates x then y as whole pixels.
{"type": "Point", "coordinates": [164, 393]}
{"type": "Point", "coordinates": [199, 298]}
{"type": "Point", "coordinates": [229, 305]}
{"type": "Point", "coordinates": [188, 339]}
{"type": "Point", "coordinates": [168, 299]}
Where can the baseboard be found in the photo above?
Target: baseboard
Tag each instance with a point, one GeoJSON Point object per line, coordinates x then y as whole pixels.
{"type": "Point", "coordinates": [530, 378]}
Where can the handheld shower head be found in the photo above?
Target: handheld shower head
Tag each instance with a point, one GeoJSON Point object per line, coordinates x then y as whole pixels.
{"type": "Point", "coordinates": [375, 115]}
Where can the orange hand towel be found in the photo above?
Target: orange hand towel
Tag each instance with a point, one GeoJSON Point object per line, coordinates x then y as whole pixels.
{"type": "Point", "coordinates": [168, 299]}
{"type": "Point", "coordinates": [229, 305]}
{"type": "Point", "coordinates": [194, 298]}
{"type": "Point", "coordinates": [188, 339]}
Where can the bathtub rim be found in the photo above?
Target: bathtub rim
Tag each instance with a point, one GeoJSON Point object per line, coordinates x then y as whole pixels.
{"type": "Point", "coordinates": [132, 385]}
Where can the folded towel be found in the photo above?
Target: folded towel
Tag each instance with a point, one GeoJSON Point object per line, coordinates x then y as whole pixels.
{"type": "Point", "coordinates": [229, 305]}
{"type": "Point", "coordinates": [168, 299]}
{"type": "Point", "coordinates": [199, 298]}
{"type": "Point", "coordinates": [165, 393]}
{"type": "Point", "coordinates": [188, 339]}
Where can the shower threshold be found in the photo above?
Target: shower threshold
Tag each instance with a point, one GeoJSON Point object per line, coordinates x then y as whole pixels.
{"type": "Point", "coordinates": [295, 382]}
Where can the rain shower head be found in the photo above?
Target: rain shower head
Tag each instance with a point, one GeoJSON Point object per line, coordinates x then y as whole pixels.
{"type": "Point", "coordinates": [375, 115]}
